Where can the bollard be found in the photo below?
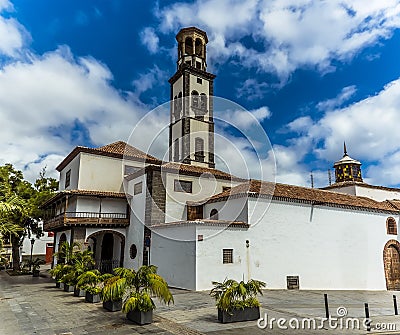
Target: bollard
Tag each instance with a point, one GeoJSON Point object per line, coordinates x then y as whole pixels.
{"type": "Point", "coordinates": [326, 306]}
{"type": "Point", "coordinates": [395, 305]}
{"type": "Point", "coordinates": [368, 322]}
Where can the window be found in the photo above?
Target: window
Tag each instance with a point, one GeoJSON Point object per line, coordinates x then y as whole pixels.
{"type": "Point", "coordinates": [199, 149]}
{"type": "Point", "coordinates": [214, 214]}
{"type": "Point", "coordinates": [198, 65]}
{"type": "Point", "coordinates": [200, 237]}
{"type": "Point", "coordinates": [137, 189]}
{"type": "Point", "coordinates": [189, 46]}
{"type": "Point", "coordinates": [176, 150]}
{"type": "Point", "coordinates": [195, 99]}
{"type": "Point", "coordinates": [391, 226]}
{"type": "Point", "coordinates": [182, 186]}
{"type": "Point", "coordinates": [198, 47]}
{"type": "Point", "coordinates": [128, 169]}
{"type": "Point", "coordinates": [292, 282]}
{"type": "Point", "coordinates": [203, 101]}
{"type": "Point", "coordinates": [199, 80]}
{"type": "Point", "coordinates": [68, 178]}
{"type": "Point", "coordinates": [226, 188]}
{"type": "Point", "coordinates": [227, 256]}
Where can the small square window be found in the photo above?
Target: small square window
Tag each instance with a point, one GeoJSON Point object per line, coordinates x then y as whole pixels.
{"type": "Point", "coordinates": [137, 189]}
{"type": "Point", "coordinates": [293, 282]}
{"type": "Point", "coordinates": [67, 178]}
{"type": "Point", "coordinates": [182, 186]}
{"type": "Point", "coordinates": [200, 237]}
{"type": "Point", "coordinates": [199, 81]}
{"type": "Point", "coordinates": [227, 256]}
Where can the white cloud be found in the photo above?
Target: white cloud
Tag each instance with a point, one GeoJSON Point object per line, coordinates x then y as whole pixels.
{"type": "Point", "coordinates": [147, 80]}
{"type": "Point", "coordinates": [369, 127]}
{"type": "Point", "coordinates": [289, 33]}
{"type": "Point", "coordinates": [43, 100]}
{"type": "Point", "coordinates": [345, 94]}
{"type": "Point", "coordinates": [13, 35]}
{"type": "Point", "coordinates": [150, 39]}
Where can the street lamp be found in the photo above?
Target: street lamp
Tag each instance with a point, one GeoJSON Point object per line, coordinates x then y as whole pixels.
{"type": "Point", "coordinates": [32, 243]}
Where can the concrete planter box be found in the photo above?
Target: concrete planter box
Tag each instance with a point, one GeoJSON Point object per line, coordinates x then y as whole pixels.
{"type": "Point", "coordinates": [112, 306]}
{"type": "Point", "coordinates": [35, 273]}
{"type": "Point", "coordinates": [60, 285]}
{"type": "Point", "coordinates": [68, 288]}
{"type": "Point", "coordinates": [79, 293]}
{"type": "Point", "coordinates": [141, 318]}
{"type": "Point", "coordinates": [238, 315]}
{"type": "Point", "coordinates": [92, 298]}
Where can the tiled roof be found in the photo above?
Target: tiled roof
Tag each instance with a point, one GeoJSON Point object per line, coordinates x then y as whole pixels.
{"type": "Point", "coordinates": [186, 169]}
{"type": "Point", "coordinates": [118, 149]}
{"type": "Point", "coordinates": [197, 171]}
{"type": "Point", "coordinates": [361, 184]}
{"type": "Point", "coordinates": [256, 188]}
{"type": "Point", "coordinates": [102, 194]}
{"type": "Point", "coordinates": [203, 222]}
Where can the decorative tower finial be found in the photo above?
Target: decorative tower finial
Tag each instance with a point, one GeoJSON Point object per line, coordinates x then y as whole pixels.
{"type": "Point", "coordinates": [347, 169]}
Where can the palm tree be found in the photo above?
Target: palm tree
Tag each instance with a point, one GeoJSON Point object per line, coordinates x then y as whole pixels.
{"type": "Point", "coordinates": [231, 295]}
{"type": "Point", "coordinates": [140, 286]}
{"type": "Point", "coordinates": [66, 252]}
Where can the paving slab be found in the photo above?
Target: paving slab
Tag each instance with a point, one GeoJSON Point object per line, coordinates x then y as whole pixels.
{"type": "Point", "coordinates": [35, 306]}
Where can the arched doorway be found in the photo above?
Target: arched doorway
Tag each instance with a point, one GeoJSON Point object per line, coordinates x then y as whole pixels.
{"type": "Point", "coordinates": [391, 260]}
{"type": "Point", "coordinates": [108, 248]}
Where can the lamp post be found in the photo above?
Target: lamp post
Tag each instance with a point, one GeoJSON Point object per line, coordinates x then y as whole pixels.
{"type": "Point", "coordinates": [32, 243]}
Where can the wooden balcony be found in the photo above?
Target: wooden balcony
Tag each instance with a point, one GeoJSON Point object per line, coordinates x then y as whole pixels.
{"type": "Point", "coordinates": [88, 219]}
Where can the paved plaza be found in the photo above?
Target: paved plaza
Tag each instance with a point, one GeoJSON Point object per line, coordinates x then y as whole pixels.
{"type": "Point", "coordinates": [35, 306]}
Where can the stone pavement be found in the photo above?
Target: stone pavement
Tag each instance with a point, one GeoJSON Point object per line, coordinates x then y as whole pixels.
{"type": "Point", "coordinates": [34, 306]}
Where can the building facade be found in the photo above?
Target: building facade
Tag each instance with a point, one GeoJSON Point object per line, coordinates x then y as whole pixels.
{"type": "Point", "coordinates": [199, 224]}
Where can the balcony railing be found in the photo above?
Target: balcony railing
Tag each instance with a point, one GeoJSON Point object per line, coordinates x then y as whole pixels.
{"type": "Point", "coordinates": [107, 266]}
{"type": "Point", "coordinates": [86, 218]}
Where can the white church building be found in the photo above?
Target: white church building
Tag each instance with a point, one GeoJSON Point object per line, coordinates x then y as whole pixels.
{"type": "Point", "coordinates": [198, 224]}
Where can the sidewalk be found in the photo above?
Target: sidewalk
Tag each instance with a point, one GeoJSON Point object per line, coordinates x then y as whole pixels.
{"type": "Point", "coordinates": [34, 306]}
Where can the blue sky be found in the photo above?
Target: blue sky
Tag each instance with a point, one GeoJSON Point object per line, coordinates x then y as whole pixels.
{"type": "Point", "coordinates": [73, 72]}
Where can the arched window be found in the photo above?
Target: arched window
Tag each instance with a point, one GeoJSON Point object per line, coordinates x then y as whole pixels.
{"type": "Point", "coordinates": [203, 101]}
{"type": "Point", "coordinates": [214, 214]}
{"type": "Point", "coordinates": [188, 46]}
{"type": "Point", "coordinates": [195, 99]}
{"type": "Point", "coordinates": [180, 102]}
{"type": "Point", "coordinates": [199, 47]}
{"type": "Point", "coordinates": [199, 149]}
{"type": "Point", "coordinates": [176, 150]}
{"type": "Point", "coordinates": [391, 226]}
{"type": "Point", "coordinates": [176, 111]}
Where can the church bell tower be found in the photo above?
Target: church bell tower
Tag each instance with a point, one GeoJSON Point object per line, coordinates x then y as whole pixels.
{"type": "Point", "coordinates": [191, 131]}
{"type": "Point", "coordinates": [347, 169]}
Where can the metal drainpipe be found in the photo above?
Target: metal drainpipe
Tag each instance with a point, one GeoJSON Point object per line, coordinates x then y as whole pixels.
{"type": "Point", "coordinates": [248, 259]}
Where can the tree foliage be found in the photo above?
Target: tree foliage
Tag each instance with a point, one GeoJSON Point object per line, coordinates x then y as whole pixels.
{"type": "Point", "coordinates": [231, 295]}
{"type": "Point", "coordinates": [20, 212]}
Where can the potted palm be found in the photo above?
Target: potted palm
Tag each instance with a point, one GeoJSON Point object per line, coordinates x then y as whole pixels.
{"type": "Point", "coordinates": [83, 261]}
{"type": "Point", "coordinates": [236, 301]}
{"type": "Point", "coordinates": [57, 273]}
{"type": "Point", "coordinates": [113, 289]}
{"type": "Point", "coordinates": [139, 288]}
{"type": "Point", "coordinates": [35, 264]}
{"type": "Point", "coordinates": [92, 282]}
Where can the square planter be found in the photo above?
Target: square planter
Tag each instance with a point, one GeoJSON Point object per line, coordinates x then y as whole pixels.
{"type": "Point", "coordinates": [68, 288]}
{"type": "Point", "coordinates": [92, 298]}
{"type": "Point", "coordinates": [60, 285]}
{"type": "Point", "coordinates": [79, 293]}
{"type": "Point", "coordinates": [238, 315]}
{"type": "Point", "coordinates": [141, 318]}
{"type": "Point", "coordinates": [35, 273]}
{"type": "Point", "coordinates": [112, 306]}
